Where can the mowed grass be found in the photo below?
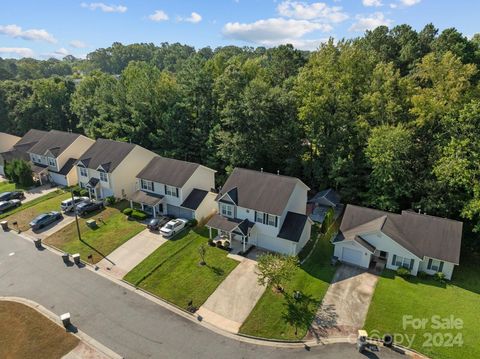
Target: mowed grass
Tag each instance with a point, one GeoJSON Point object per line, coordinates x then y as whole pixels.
{"type": "Point", "coordinates": [395, 297]}
{"type": "Point", "coordinates": [276, 315]}
{"type": "Point", "coordinates": [100, 241]}
{"type": "Point", "coordinates": [25, 333]}
{"type": "Point", "coordinates": [7, 186]}
{"type": "Point", "coordinates": [24, 214]}
{"type": "Point", "coordinates": [173, 271]}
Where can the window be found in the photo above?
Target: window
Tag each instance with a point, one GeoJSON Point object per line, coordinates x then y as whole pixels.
{"type": "Point", "coordinates": [103, 176]}
{"type": "Point", "coordinates": [259, 217]}
{"type": "Point", "coordinates": [272, 220]}
{"type": "Point", "coordinates": [83, 171]}
{"type": "Point", "coordinates": [435, 265]}
{"type": "Point", "coordinates": [402, 262]}
{"type": "Point", "coordinates": [171, 191]}
{"type": "Point", "coordinates": [52, 162]}
{"type": "Point", "coordinates": [226, 210]}
{"type": "Point", "coordinates": [266, 218]}
{"type": "Point", "coordinates": [147, 185]}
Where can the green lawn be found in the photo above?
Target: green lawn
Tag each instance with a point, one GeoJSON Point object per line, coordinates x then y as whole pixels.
{"type": "Point", "coordinates": [276, 315]}
{"type": "Point", "coordinates": [423, 298]}
{"type": "Point", "coordinates": [7, 186]}
{"type": "Point", "coordinates": [26, 212]}
{"type": "Point", "coordinates": [100, 241]}
{"type": "Point", "coordinates": [173, 271]}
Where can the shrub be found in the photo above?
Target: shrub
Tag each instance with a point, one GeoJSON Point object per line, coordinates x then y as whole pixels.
{"type": "Point", "coordinates": [226, 244]}
{"type": "Point", "coordinates": [76, 190]}
{"type": "Point", "coordinates": [139, 215]}
{"type": "Point", "coordinates": [328, 220]}
{"type": "Point", "coordinates": [422, 275]}
{"type": "Point", "coordinates": [440, 276]}
{"type": "Point", "coordinates": [19, 171]}
{"type": "Point", "coordinates": [219, 245]}
{"type": "Point", "coordinates": [128, 211]}
{"type": "Point", "coordinates": [211, 243]}
{"type": "Point", "coordinates": [403, 272]}
{"type": "Point", "coordinates": [83, 193]}
{"type": "Point", "coordinates": [110, 201]}
{"type": "Point", "coordinates": [192, 223]}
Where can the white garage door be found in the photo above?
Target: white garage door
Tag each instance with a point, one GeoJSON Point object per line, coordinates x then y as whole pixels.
{"type": "Point", "coordinates": [274, 244]}
{"type": "Point", "coordinates": [351, 256]}
{"type": "Point", "coordinates": [58, 179]}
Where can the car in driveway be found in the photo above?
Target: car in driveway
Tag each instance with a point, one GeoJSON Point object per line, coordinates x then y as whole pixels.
{"type": "Point", "coordinates": [45, 219]}
{"type": "Point", "coordinates": [69, 204]}
{"type": "Point", "coordinates": [89, 206]}
{"type": "Point", "coordinates": [156, 223]}
{"type": "Point", "coordinates": [173, 227]}
{"type": "Point", "coordinates": [7, 196]}
{"type": "Point", "coordinates": [8, 205]}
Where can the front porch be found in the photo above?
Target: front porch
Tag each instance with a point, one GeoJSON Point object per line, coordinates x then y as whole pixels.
{"type": "Point", "coordinates": [233, 230]}
{"type": "Point", "coordinates": [150, 203]}
{"type": "Point", "coordinates": [40, 174]}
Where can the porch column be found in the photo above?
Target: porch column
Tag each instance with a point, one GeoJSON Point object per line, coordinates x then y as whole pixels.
{"type": "Point", "coordinates": [154, 214]}
{"type": "Point", "coordinates": [142, 206]}
{"type": "Point", "coordinates": [243, 243]}
{"type": "Point", "coordinates": [210, 232]}
{"type": "Point", "coordinates": [230, 237]}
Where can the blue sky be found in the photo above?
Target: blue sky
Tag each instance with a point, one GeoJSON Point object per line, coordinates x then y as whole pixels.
{"type": "Point", "coordinates": [59, 27]}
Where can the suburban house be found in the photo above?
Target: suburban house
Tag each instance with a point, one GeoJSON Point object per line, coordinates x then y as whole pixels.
{"type": "Point", "coordinates": [7, 141]}
{"type": "Point", "coordinates": [263, 209]}
{"type": "Point", "coordinates": [54, 157]}
{"type": "Point", "coordinates": [108, 168]}
{"type": "Point", "coordinates": [418, 242]}
{"type": "Point", "coordinates": [176, 188]}
{"type": "Point", "coordinates": [320, 204]}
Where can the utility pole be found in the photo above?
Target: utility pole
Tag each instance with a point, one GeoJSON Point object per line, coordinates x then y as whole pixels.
{"type": "Point", "coordinates": [76, 216]}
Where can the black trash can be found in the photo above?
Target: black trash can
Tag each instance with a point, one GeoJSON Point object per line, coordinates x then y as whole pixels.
{"type": "Point", "coordinates": [4, 225]}
{"type": "Point", "coordinates": [65, 257]}
{"type": "Point", "coordinates": [38, 242]}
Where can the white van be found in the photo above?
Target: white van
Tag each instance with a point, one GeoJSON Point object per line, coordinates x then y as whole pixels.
{"type": "Point", "coordinates": [68, 204]}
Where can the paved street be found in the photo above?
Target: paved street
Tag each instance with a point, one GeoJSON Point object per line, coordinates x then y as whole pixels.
{"type": "Point", "coordinates": [124, 321]}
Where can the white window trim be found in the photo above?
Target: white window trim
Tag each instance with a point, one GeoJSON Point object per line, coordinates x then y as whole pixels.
{"type": "Point", "coordinates": [404, 262]}
{"type": "Point", "coordinates": [103, 174]}
{"type": "Point", "coordinates": [83, 171]}
{"type": "Point", "coordinates": [227, 210]}
{"type": "Point", "coordinates": [146, 185]}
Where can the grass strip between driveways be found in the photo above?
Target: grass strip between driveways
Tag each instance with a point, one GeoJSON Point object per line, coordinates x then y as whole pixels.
{"type": "Point", "coordinates": [396, 297]}
{"type": "Point", "coordinates": [278, 315]}
{"type": "Point", "coordinates": [28, 211]}
{"type": "Point", "coordinates": [173, 271]}
{"type": "Point", "coordinates": [25, 333]}
{"type": "Point", "coordinates": [112, 230]}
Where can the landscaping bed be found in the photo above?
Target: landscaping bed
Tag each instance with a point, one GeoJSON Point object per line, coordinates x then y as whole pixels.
{"type": "Point", "coordinates": [25, 333]}
{"type": "Point", "coordinates": [396, 297]}
{"type": "Point", "coordinates": [112, 230]}
{"type": "Point", "coordinates": [173, 271]}
{"type": "Point", "coordinates": [24, 214]}
{"type": "Point", "coordinates": [279, 315]}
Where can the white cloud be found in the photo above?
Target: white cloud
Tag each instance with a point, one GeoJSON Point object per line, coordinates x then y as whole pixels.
{"type": "Point", "coordinates": [370, 3]}
{"type": "Point", "coordinates": [16, 31]}
{"type": "Point", "coordinates": [409, 2]}
{"type": "Point", "coordinates": [78, 44]}
{"type": "Point", "coordinates": [370, 22]}
{"type": "Point", "coordinates": [314, 11]}
{"type": "Point", "coordinates": [17, 51]}
{"type": "Point", "coordinates": [158, 15]}
{"type": "Point", "coordinates": [194, 18]}
{"type": "Point", "coordinates": [103, 7]}
{"type": "Point", "coordinates": [274, 30]}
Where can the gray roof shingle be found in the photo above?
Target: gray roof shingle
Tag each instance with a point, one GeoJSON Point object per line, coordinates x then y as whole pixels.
{"type": "Point", "coordinates": [54, 141]}
{"type": "Point", "coordinates": [194, 199]}
{"type": "Point", "coordinates": [292, 226]}
{"type": "Point", "coordinates": [168, 171]}
{"type": "Point", "coordinates": [106, 153]}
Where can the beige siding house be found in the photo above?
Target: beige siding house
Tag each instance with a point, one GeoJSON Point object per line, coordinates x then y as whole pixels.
{"type": "Point", "coordinates": [109, 168]}
{"type": "Point", "coordinates": [7, 142]}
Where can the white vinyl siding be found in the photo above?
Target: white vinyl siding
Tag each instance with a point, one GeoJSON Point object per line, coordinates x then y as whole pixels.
{"type": "Point", "coordinates": [267, 219]}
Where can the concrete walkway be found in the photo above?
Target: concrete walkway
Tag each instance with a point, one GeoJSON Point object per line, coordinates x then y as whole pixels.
{"type": "Point", "coordinates": [36, 192]}
{"type": "Point", "coordinates": [126, 257]}
{"type": "Point", "coordinates": [52, 228]}
{"type": "Point", "coordinates": [345, 305]}
{"type": "Point", "coordinates": [234, 299]}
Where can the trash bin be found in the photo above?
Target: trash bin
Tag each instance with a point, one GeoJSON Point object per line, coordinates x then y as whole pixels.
{"type": "Point", "coordinates": [76, 258]}
{"type": "Point", "coordinates": [65, 318]}
{"type": "Point", "coordinates": [38, 242]}
{"type": "Point", "coordinates": [65, 257]}
{"type": "Point", "coordinates": [4, 225]}
{"type": "Point", "coordinates": [388, 340]}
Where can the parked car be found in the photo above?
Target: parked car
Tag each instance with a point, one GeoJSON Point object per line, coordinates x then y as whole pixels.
{"type": "Point", "coordinates": [45, 219]}
{"type": "Point", "coordinates": [69, 204]}
{"type": "Point", "coordinates": [8, 205]}
{"type": "Point", "coordinates": [154, 224]}
{"type": "Point", "coordinates": [86, 207]}
{"type": "Point", "coordinates": [172, 227]}
{"type": "Point", "coordinates": [6, 196]}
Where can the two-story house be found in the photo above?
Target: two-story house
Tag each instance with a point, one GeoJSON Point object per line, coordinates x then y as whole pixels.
{"type": "Point", "coordinates": [175, 188]}
{"type": "Point", "coordinates": [263, 209]}
{"type": "Point", "coordinates": [109, 168]}
{"type": "Point", "coordinates": [55, 154]}
{"type": "Point", "coordinates": [7, 142]}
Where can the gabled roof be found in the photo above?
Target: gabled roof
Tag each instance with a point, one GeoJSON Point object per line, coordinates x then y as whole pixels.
{"type": "Point", "coordinates": [31, 137]}
{"type": "Point", "coordinates": [7, 141]}
{"type": "Point", "coordinates": [107, 154]}
{"type": "Point", "coordinates": [168, 171]}
{"type": "Point", "coordinates": [293, 226]}
{"type": "Point", "coordinates": [194, 199]}
{"type": "Point", "coordinates": [54, 141]}
{"type": "Point", "coordinates": [422, 235]}
{"type": "Point", "coordinates": [260, 191]}
{"type": "Point", "coordinates": [21, 148]}
{"type": "Point", "coordinates": [328, 196]}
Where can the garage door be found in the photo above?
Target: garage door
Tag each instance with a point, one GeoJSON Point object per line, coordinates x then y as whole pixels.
{"type": "Point", "coordinates": [351, 256]}
{"type": "Point", "coordinates": [58, 179]}
{"type": "Point", "coordinates": [179, 212]}
{"type": "Point", "coordinates": [2, 171]}
{"type": "Point", "coordinates": [275, 244]}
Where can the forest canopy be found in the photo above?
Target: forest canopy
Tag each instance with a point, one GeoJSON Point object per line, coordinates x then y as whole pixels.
{"type": "Point", "coordinates": [390, 119]}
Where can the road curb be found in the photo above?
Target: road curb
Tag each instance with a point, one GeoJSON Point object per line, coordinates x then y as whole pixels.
{"type": "Point", "coordinates": [83, 337]}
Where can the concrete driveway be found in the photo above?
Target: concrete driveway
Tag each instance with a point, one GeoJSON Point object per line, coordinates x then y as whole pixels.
{"type": "Point", "coordinates": [234, 299]}
{"type": "Point", "coordinates": [345, 305]}
{"type": "Point", "coordinates": [36, 192]}
{"type": "Point", "coordinates": [126, 257]}
{"type": "Point", "coordinates": [51, 228]}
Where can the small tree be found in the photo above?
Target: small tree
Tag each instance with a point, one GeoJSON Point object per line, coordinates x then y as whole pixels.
{"type": "Point", "coordinates": [275, 270]}
{"type": "Point", "coordinates": [20, 172]}
{"type": "Point", "coordinates": [328, 220]}
{"type": "Point", "coordinates": [202, 250]}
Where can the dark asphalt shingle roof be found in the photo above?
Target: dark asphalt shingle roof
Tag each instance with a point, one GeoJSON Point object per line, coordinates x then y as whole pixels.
{"type": "Point", "coordinates": [223, 223]}
{"type": "Point", "coordinates": [106, 153]}
{"type": "Point", "coordinates": [31, 137]}
{"type": "Point", "coordinates": [325, 197]}
{"type": "Point", "coordinates": [21, 148]}
{"type": "Point", "coordinates": [260, 191]}
{"type": "Point", "coordinates": [54, 141]}
{"type": "Point", "coordinates": [67, 167]}
{"type": "Point", "coordinates": [293, 226]}
{"type": "Point", "coordinates": [151, 199]}
{"type": "Point", "coordinates": [194, 199]}
{"type": "Point", "coordinates": [423, 235]}
{"type": "Point", "coordinates": [168, 171]}
{"type": "Point", "coordinates": [364, 244]}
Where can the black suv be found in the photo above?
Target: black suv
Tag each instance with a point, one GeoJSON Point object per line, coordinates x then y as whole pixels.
{"type": "Point", "coordinates": [7, 196]}
{"type": "Point", "coordinates": [88, 206]}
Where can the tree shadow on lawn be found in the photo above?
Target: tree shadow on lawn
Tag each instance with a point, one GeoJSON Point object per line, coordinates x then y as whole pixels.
{"type": "Point", "coordinates": [217, 271]}
{"type": "Point", "coordinates": [300, 312]}
{"type": "Point", "coordinates": [467, 274]}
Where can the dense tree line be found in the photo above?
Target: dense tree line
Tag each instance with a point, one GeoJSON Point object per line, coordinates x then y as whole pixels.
{"type": "Point", "coordinates": [390, 119]}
